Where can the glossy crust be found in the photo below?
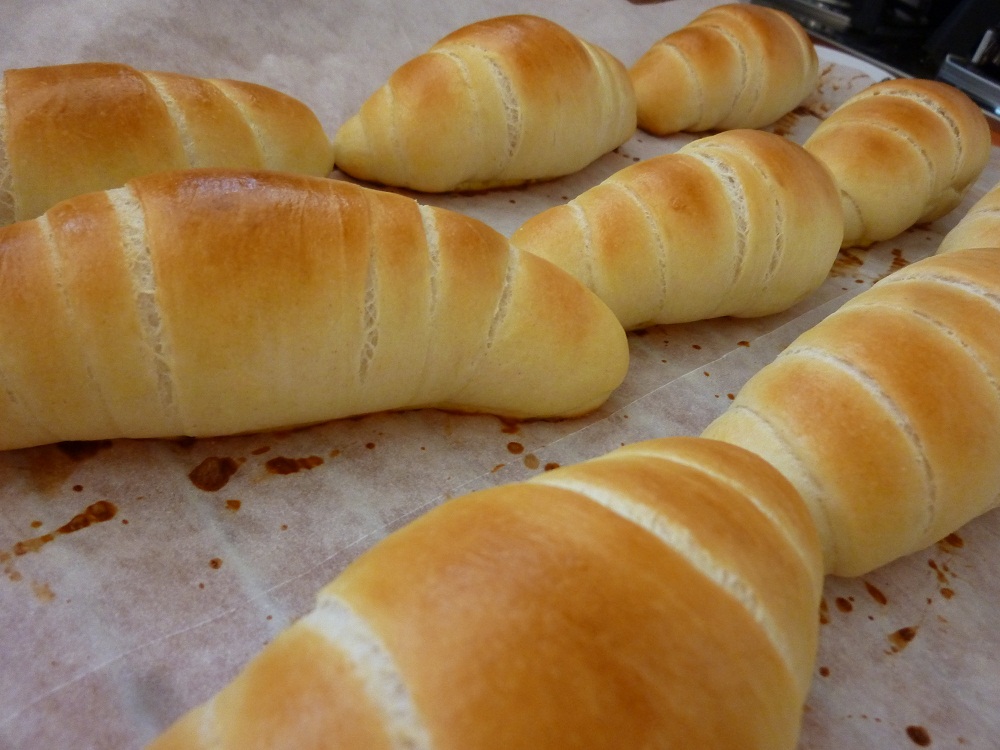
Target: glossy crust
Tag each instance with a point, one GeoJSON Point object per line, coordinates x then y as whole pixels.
{"type": "Point", "coordinates": [886, 415]}
{"type": "Point", "coordinates": [503, 101]}
{"type": "Point", "coordinates": [980, 227]}
{"type": "Point", "coordinates": [902, 152]}
{"type": "Point", "coordinates": [663, 595]}
{"type": "Point", "coordinates": [66, 130]}
{"type": "Point", "coordinates": [734, 66]}
{"type": "Point", "coordinates": [211, 302]}
{"type": "Point", "coordinates": [742, 223]}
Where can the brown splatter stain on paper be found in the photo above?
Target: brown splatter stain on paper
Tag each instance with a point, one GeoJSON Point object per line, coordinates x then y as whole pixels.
{"type": "Point", "coordinates": [919, 736]}
{"type": "Point", "coordinates": [284, 465]}
{"type": "Point", "coordinates": [876, 594]}
{"type": "Point", "coordinates": [214, 473]}
{"type": "Point", "coordinates": [901, 638]}
{"type": "Point", "coordinates": [98, 512]}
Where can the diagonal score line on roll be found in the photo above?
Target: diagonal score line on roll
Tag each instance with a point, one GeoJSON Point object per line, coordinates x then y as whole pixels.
{"type": "Point", "coordinates": [137, 253]}
{"type": "Point", "coordinates": [681, 540]}
{"type": "Point", "coordinates": [341, 626]}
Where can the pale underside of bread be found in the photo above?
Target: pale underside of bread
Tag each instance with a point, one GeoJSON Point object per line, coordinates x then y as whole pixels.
{"type": "Point", "coordinates": [210, 302]}
{"type": "Point", "coordinates": [901, 152]}
{"type": "Point", "coordinates": [742, 223]}
{"type": "Point", "coordinates": [734, 66]}
{"type": "Point", "coordinates": [501, 102]}
{"type": "Point", "coordinates": [67, 130]}
{"type": "Point", "coordinates": [886, 416]}
{"type": "Point", "coordinates": [663, 595]}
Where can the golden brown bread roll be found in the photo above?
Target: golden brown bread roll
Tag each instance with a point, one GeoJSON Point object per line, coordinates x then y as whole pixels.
{"type": "Point", "coordinates": [742, 223]}
{"type": "Point", "coordinates": [980, 227]}
{"type": "Point", "coordinates": [663, 595]}
{"type": "Point", "coordinates": [902, 152]}
{"type": "Point", "coordinates": [734, 66]}
{"type": "Point", "coordinates": [66, 130]}
{"type": "Point", "coordinates": [886, 415]}
{"type": "Point", "coordinates": [210, 302]}
{"type": "Point", "coordinates": [503, 101]}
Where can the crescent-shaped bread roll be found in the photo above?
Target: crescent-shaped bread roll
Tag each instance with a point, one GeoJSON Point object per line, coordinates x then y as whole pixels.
{"type": "Point", "coordinates": [66, 130]}
{"type": "Point", "coordinates": [902, 152]}
{"type": "Point", "coordinates": [886, 415]}
{"type": "Point", "coordinates": [503, 101]}
{"type": "Point", "coordinates": [742, 223]}
{"type": "Point", "coordinates": [211, 302]}
{"type": "Point", "coordinates": [734, 66]}
{"type": "Point", "coordinates": [663, 595]}
{"type": "Point", "coordinates": [980, 227]}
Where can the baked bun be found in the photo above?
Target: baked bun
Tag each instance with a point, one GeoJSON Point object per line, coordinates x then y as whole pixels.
{"type": "Point", "coordinates": [663, 595]}
{"type": "Point", "coordinates": [503, 101]}
{"type": "Point", "coordinates": [742, 223]}
{"type": "Point", "coordinates": [734, 66]}
{"type": "Point", "coordinates": [211, 302]}
{"type": "Point", "coordinates": [980, 227]}
{"type": "Point", "coordinates": [886, 415]}
{"type": "Point", "coordinates": [902, 152]}
{"type": "Point", "coordinates": [66, 130]}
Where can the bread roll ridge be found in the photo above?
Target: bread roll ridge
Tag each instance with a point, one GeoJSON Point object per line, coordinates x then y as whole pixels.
{"type": "Point", "coordinates": [746, 91]}
{"type": "Point", "coordinates": [792, 465]}
{"type": "Point", "coordinates": [177, 115]}
{"type": "Point", "coordinates": [58, 276]}
{"type": "Point", "coordinates": [897, 414]}
{"type": "Point", "coordinates": [801, 544]}
{"type": "Point", "coordinates": [502, 84]}
{"type": "Point", "coordinates": [662, 255]}
{"type": "Point", "coordinates": [980, 227]}
{"type": "Point", "coordinates": [930, 103]}
{"type": "Point", "coordinates": [694, 551]}
{"type": "Point", "coordinates": [458, 54]}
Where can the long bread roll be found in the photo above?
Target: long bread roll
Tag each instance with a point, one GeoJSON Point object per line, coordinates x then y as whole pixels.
{"type": "Point", "coordinates": [902, 152]}
{"type": "Point", "coordinates": [663, 595]}
{"type": "Point", "coordinates": [503, 101]}
{"type": "Point", "coordinates": [66, 130]}
{"type": "Point", "coordinates": [210, 302]}
{"type": "Point", "coordinates": [886, 415]}
{"type": "Point", "coordinates": [742, 223]}
{"type": "Point", "coordinates": [980, 227]}
{"type": "Point", "coordinates": [734, 66]}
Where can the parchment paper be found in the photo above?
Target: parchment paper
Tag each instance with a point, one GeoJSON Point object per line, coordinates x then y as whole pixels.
{"type": "Point", "coordinates": [139, 576]}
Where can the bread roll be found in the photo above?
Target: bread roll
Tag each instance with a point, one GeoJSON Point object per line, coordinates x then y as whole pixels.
{"type": "Point", "coordinates": [741, 223]}
{"type": "Point", "coordinates": [980, 227]}
{"type": "Point", "coordinates": [210, 302]}
{"type": "Point", "coordinates": [500, 102]}
{"type": "Point", "coordinates": [66, 130]}
{"type": "Point", "coordinates": [886, 415]}
{"type": "Point", "coordinates": [734, 66]}
{"type": "Point", "coordinates": [902, 152]}
{"type": "Point", "coordinates": [663, 595]}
